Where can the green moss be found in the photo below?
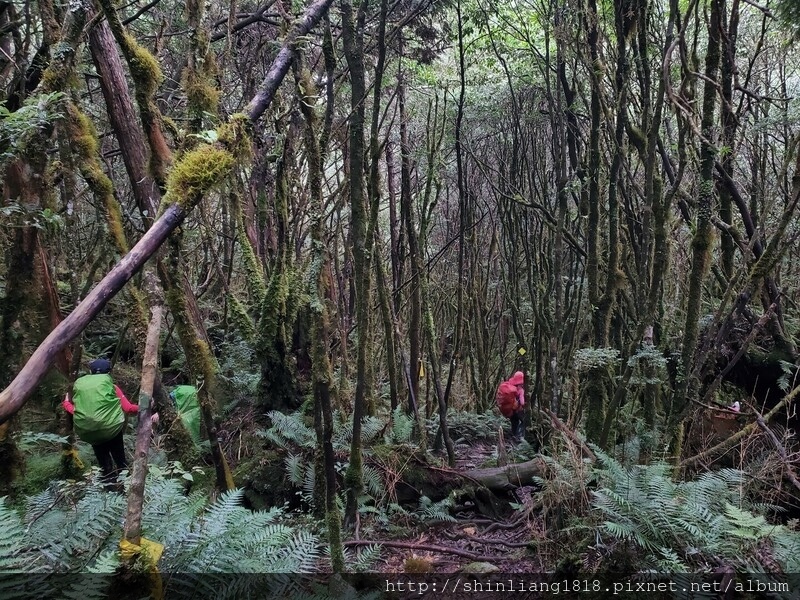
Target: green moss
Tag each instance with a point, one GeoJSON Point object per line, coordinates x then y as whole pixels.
{"type": "Point", "coordinates": [241, 320]}
{"type": "Point", "coordinates": [144, 67]}
{"type": "Point", "coordinates": [171, 126]}
{"type": "Point", "coordinates": [201, 95]}
{"type": "Point", "coordinates": [197, 172]}
{"type": "Point", "coordinates": [235, 135]}
{"type": "Point", "coordinates": [83, 133]}
{"type": "Point", "coordinates": [42, 469]}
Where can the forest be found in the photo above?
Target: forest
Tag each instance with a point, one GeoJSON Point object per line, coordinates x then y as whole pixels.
{"type": "Point", "coordinates": [297, 254]}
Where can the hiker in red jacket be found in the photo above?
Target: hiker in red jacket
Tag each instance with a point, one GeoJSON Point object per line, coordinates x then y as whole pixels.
{"type": "Point", "coordinates": [98, 407]}
{"type": "Point", "coordinates": [511, 402]}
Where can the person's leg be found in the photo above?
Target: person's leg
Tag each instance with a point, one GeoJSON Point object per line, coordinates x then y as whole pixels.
{"type": "Point", "coordinates": [515, 423]}
{"type": "Point", "coordinates": [102, 452]}
{"type": "Point", "coordinates": [117, 450]}
{"type": "Point", "coordinates": [519, 432]}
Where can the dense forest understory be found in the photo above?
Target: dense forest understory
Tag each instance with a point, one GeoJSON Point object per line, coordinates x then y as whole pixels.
{"type": "Point", "coordinates": [313, 238]}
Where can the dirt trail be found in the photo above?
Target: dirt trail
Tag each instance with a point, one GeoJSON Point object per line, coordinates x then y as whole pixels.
{"type": "Point", "coordinates": [448, 547]}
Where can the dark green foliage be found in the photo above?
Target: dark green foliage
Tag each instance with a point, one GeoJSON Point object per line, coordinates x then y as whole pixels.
{"type": "Point", "coordinates": [687, 526]}
{"type": "Point", "coordinates": [72, 527]}
{"type": "Point", "coordinates": [23, 128]}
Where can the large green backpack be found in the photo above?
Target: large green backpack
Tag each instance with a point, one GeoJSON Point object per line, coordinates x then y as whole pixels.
{"type": "Point", "coordinates": [189, 409]}
{"type": "Point", "coordinates": [98, 416]}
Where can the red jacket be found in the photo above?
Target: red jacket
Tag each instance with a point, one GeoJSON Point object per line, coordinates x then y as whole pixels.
{"type": "Point", "coordinates": [123, 402]}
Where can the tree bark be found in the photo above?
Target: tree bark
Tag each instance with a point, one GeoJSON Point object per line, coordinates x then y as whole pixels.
{"type": "Point", "coordinates": [322, 376]}
{"type": "Point", "coordinates": [703, 237]}
{"type": "Point", "coordinates": [133, 519]}
{"type": "Point", "coordinates": [353, 44]}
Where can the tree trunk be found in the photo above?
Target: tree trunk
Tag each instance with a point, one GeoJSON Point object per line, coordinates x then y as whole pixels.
{"type": "Point", "coordinates": [353, 43]}
{"type": "Point", "coordinates": [322, 376]}
{"type": "Point", "coordinates": [133, 519]}
{"type": "Point", "coordinates": [703, 237]}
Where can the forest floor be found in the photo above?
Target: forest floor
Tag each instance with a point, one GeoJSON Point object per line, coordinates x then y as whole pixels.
{"type": "Point", "coordinates": [473, 541]}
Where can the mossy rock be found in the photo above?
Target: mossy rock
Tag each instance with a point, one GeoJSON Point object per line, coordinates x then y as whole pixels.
{"type": "Point", "coordinates": [480, 568]}
{"type": "Point", "coordinates": [265, 481]}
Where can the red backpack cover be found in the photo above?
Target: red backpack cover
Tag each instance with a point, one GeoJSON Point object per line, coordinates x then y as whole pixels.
{"type": "Point", "coordinates": [506, 398]}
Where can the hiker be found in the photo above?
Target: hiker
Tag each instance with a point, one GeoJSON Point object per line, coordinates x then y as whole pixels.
{"type": "Point", "coordinates": [97, 407]}
{"type": "Point", "coordinates": [188, 406]}
{"type": "Point", "coordinates": [511, 402]}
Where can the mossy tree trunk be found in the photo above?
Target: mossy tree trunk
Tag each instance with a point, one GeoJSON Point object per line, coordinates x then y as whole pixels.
{"type": "Point", "coordinates": [135, 155]}
{"type": "Point", "coordinates": [133, 518]}
{"type": "Point", "coordinates": [29, 307]}
{"type": "Point", "coordinates": [652, 256]}
{"type": "Point", "coordinates": [353, 46]}
{"type": "Point", "coordinates": [319, 298]}
{"type": "Point", "coordinates": [414, 260]}
{"type": "Point", "coordinates": [703, 236]}
{"type": "Point", "coordinates": [277, 387]}
{"type": "Point", "coordinates": [374, 198]}
{"type": "Point", "coordinates": [594, 388]}
{"type": "Point", "coordinates": [200, 360]}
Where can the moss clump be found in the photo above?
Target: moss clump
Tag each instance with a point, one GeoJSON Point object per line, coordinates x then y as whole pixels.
{"type": "Point", "coordinates": [201, 95]}
{"type": "Point", "coordinates": [235, 135]}
{"type": "Point", "coordinates": [144, 67]}
{"type": "Point", "coordinates": [240, 319]}
{"type": "Point", "coordinates": [82, 132]}
{"type": "Point", "coordinates": [197, 172]}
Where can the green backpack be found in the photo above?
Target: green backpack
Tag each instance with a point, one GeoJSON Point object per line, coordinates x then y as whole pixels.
{"type": "Point", "coordinates": [98, 416]}
{"type": "Point", "coordinates": [189, 409]}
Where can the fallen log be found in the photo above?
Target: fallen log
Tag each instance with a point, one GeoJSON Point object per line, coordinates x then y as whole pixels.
{"type": "Point", "coordinates": [421, 479]}
{"type": "Point", "coordinates": [509, 477]}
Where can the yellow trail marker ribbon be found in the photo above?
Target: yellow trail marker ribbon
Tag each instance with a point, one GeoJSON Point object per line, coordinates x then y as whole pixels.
{"type": "Point", "coordinates": [151, 553]}
{"type": "Point", "coordinates": [76, 459]}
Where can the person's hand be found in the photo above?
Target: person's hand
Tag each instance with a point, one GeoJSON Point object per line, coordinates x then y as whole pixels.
{"type": "Point", "coordinates": [154, 419]}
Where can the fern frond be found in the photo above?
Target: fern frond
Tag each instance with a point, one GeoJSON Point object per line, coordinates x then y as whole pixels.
{"type": "Point", "coordinates": [402, 426]}
{"type": "Point", "coordinates": [295, 468]}
{"type": "Point", "coordinates": [291, 428]}
{"type": "Point", "coordinates": [373, 481]}
{"type": "Point", "coordinates": [11, 535]}
{"type": "Point", "coordinates": [367, 556]}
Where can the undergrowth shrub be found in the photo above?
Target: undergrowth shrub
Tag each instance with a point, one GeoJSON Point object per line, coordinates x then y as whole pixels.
{"type": "Point", "coordinates": [74, 528]}
{"type": "Point", "coordinates": [387, 447]}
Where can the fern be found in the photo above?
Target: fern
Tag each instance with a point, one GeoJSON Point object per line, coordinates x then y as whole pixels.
{"type": "Point", "coordinates": [365, 558]}
{"type": "Point", "coordinates": [75, 528]}
{"type": "Point", "coordinates": [402, 426]}
{"type": "Point", "coordinates": [289, 429]}
{"type": "Point", "coordinates": [295, 468]}
{"type": "Point", "coordinates": [370, 428]}
{"type": "Point", "coordinates": [434, 511]}
{"type": "Point", "coordinates": [373, 482]}
{"type": "Point", "coordinates": [11, 533]}
{"type": "Point", "coordinates": [674, 524]}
